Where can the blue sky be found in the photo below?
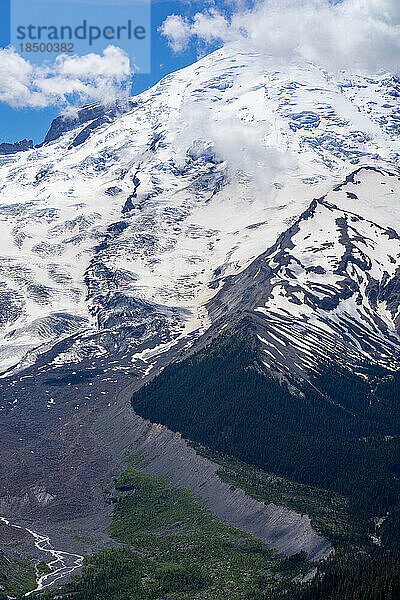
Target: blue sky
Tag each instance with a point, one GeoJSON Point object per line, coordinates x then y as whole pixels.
{"type": "Point", "coordinates": [356, 36]}
{"type": "Point", "coordinates": [16, 124]}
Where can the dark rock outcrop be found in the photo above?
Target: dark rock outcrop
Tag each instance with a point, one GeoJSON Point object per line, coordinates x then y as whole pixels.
{"type": "Point", "coordinates": [99, 113]}
{"type": "Point", "coordinates": [21, 146]}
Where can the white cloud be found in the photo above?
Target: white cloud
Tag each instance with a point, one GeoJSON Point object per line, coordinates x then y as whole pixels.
{"type": "Point", "coordinates": [178, 32]}
{"type": "Point", "coordinates": [211, 26]}
{"type": "Point", "coordinates": [244, 146]}
{"type": "Point", "coordinates": [92, 77]}
{"type": "Point", "coordinates": [352, 34]}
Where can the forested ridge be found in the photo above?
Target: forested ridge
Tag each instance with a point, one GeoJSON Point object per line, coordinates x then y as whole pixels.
{"type": "Point", "coordinates": [363, 577]}
{"type": "Point", "coordinates": [331, 450]}
{"type": "Point", "coordinates": [339, 433]}
{"type": "Point", "coordinates": [336, 434]}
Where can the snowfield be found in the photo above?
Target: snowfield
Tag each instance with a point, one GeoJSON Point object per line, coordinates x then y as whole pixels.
{"type": "Point", "coordinates": [117, 233]}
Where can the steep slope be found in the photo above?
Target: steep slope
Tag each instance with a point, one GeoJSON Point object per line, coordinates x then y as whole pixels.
{"type": "Point", "coordinates": [117, 227]}
{"type": "Point", "coordinates": [299, 372]}
{"type": "Point", "coordinates": [230, 204]}
{"type": "Point", "coordinates": [329, 287]}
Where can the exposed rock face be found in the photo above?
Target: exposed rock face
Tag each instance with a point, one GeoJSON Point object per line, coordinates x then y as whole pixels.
{"type": "Point", "coordinates": [21, 146]}
{"type": "Point", "coordinates": [131, 230]}
{"type": "Point", "coordinates": [98, 114]}
{"type": "Point", "coordinates": [329, 286]}
{"type": "Point", "coordinates": [57, 463]}
{"type": "Point", "coordinates": [12, 536]}
{"type": "Point", "coordinates": [167, 453]}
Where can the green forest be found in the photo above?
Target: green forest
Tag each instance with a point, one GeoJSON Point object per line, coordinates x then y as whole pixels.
{"type": "Point", "coordinates": [17, 576]}
{"type": "Point", "coordinates": [339, 433]}
{"type": "Point", "coordinates": [330, 451]}
{"type": "Point", "coordinates": [173, 547]}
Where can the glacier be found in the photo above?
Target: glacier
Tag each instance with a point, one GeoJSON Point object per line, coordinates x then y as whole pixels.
{"type": "Point", "coordinates": [117, 233]}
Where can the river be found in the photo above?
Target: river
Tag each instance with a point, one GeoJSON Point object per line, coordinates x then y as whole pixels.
{"type": "Point", "coordinates": [60, 563]}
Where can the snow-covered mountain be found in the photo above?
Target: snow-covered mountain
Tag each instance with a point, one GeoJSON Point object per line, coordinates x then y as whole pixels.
{"type": "Point", "coordinates": [329, 287]}
{"type": "Point", "coordinates": [234, 206]}
{"type": "Point", "coordinates": [118, 232]}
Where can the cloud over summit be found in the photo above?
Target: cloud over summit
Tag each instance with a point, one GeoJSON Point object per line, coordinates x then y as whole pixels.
{"type": "Point", "coordinates": [351, 34]}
